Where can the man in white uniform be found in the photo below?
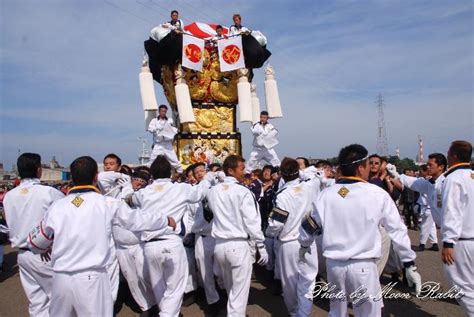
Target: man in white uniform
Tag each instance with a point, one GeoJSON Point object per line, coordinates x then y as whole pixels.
{"type": "Point", "coordinates": [349, 214]}
{"type": "Point", "coordinates": [236, 224]}
{"type": "Point", "coordinates": [457, 228]}
{"type": "Point", "coordinates": [264, 140]}
{"type": "Point", "coordinates": [237, 27]}
{"type": "Point", "coordinates": [81, 224]}
{"type": "Point", "coordinates": [111, 182]}
{"type": "Point", "coordinates": [163, 135]}
{"type": "Point", "coordinates": [165, 256]}
{"type": "Point", "coordinates": [427, 224]}
{"type": "Point", "coordinates": [205, 244]}
{"type": "Point", "coordinates": [176, 23]}
{"type": "Point", "coordinates": [293, 201]}
{"type": "Point", "coordinates": [436, 166]}
{"type": "Point", "coordinates": [114, 184]}
{"type": "Point", "coordinates": [130, 254]}
{"type": "Point", "coordinates": [24, 207]}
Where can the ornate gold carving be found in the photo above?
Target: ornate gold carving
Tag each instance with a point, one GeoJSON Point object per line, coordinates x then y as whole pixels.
{"type": "Point", "coordinates": [206, 150]}
{"type": "Point", "coordinates": [209, 85]}
{"type": "Point", "coordinates": [168, 85]}
{"type": "Point", "coordinates": [217, 119]}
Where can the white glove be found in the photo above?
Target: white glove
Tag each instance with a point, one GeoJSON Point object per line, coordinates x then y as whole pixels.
{"type": "Point", "coordinates": [308, 173]}
{"type": "Point", "coordinates": [302, 253]}
{"type": "Point", "coordinates": [122, 182]}
{"type": "Point", "coordinates": [209, 177]}
{"type": "Point", "coordinates": [263, 256]}
{"type": "Point", "coordinates": [220, 176]}
{"type": "Point", "coordinates": [392, 170]}
{"type": "Point", "coordinates": [413, 278]}
{"type": "Point", "coordinates": [319, 173]}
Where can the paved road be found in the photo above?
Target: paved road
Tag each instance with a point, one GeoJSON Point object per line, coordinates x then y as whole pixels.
{"type": "Point", "coordinates": [262, 303]}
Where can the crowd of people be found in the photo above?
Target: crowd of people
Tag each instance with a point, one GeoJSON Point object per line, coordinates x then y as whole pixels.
{"type": "Point", "coordinates": [158, 235]}
{"type": "Point", "coordinates": [150, 236]}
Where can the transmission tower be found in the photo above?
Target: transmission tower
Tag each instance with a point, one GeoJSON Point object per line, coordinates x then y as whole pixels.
{"type": "Point", "coordinates": [382, 146]}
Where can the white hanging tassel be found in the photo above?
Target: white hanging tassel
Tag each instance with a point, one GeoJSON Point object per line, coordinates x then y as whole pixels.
{"type": "Point", "coordinates": [147, 89]}
{"type": "Point", "coordinates": [149, 115]}
{"type": "Point", "coordinates": [245, 96]}
{"type": "Point", "coordinates": [255, 104]}
{"type": "Point", "coordinates": [271, 94]}
{"type": "Point", "coordinates": [183, 98]}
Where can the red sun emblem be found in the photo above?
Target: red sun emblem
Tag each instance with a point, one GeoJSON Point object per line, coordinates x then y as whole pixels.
{"type": "Point", "coordinates": [231, 54]}
{"type": "Point", "coordinates": [193, 53]}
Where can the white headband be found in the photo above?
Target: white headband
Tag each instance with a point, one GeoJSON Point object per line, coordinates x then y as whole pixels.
{"type": "Point", "coordinates": [356, 161]}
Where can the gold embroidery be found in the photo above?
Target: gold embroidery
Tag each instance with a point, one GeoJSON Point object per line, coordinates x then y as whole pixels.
{"type": "Point", "coordinates": [343, 192]}
{"type": "Point", "coordinates": [77, 201]}
{"type": "Point", "coordinates": [297, 189]}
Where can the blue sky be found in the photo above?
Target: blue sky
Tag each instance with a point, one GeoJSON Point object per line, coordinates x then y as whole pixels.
{"type": "Point", "coordinates": [69, 73]}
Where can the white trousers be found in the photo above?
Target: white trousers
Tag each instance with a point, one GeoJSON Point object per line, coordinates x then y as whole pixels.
{"type": "Point", "coordinates": [131, 261]}
{"type": "Point", "coordinates": [204, 252]}
{"type": "Point", "coordinates": [272, 250]}
{"type": "Point", "coordinates": [269, 244]}
{"type": "Point", "coordinates": [81, 294]}
{"type": "Point", "coordinates": [234, 260]}
{"type": "Point", "coordinates": [461, 273]}
{"type": "Point", "coordinates": [259, 154]}
{"type": "Point", "coordinates": [192, 282]}
{"type": "Point", "coordinates": [428, 229]}
{"type": "Point", "coordinates": [168, 151]}
{"type": "Point", "coordinates": [349, 276]}
{"type": "Point", "coordinates": [167, 267]}
{"type": "Point", "coordinates": [36, 279]}
{"type": "Point", "coordinates": [297, 277]}
{"type": "Point", "coordinates": [113, 272]}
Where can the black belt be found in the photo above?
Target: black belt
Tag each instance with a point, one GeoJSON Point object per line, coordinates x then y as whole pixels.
{"type": "Point", "coordinates": [24, 249]}
{"type": "Point", "coordinates": [154, 239]}
{"type": "Point", "coordinates": [465, 239]}
{"type": "Point", "coordinates": [203, 236]}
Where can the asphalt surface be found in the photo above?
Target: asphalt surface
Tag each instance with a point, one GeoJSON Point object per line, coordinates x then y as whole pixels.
{"type": "Point", "coordinates": [262, 302]}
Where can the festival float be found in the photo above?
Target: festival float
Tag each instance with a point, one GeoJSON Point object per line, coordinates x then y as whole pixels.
{"type": "Point", "coordinates": [207, 78]}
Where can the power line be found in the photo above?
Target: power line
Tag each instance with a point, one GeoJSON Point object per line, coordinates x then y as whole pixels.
{"type": "Point", "coordinates": [127, 11]}
{"type": "Point", "coordinates": [196, 9]}
{"type": "Point", "coordinates": [148, 7]}
{"type": "Point", "coordinates": [197, 12]}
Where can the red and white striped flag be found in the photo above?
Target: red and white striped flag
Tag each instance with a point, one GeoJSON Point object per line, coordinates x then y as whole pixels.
{"type": "Point", "coordinates": [204, 30]}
